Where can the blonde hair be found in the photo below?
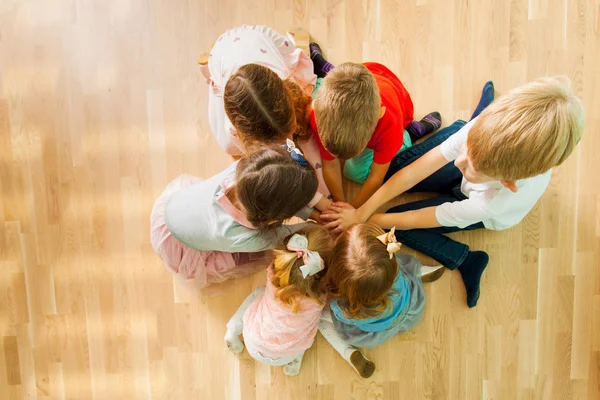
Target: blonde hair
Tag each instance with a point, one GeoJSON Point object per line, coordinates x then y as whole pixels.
{"type": "Point", "coordinates": [527, 131]}
{"type": "Point", "coordinates": [287, 277]}
{"type": "Point", "coordinates": [361, 272]}
{"type": "Point", "coordinates": [347, 109]}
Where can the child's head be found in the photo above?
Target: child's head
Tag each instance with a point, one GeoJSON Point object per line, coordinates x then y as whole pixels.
{"type": "Point", "coordinates": [262, 107]}
{"type": "Point", "coordinates": [524, 133]}
{"type": "Point", "coordinates": [272, 187]}
{"type": "Point", "coordinates": [347, 109]}
{"type": "Point", "coordinates": [288, 277]}
{"type": "Point", "coordinates": [361, 272]}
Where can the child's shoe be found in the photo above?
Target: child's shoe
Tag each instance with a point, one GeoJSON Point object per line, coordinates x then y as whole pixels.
{"type": "Point", "coordinates": [234, 343]}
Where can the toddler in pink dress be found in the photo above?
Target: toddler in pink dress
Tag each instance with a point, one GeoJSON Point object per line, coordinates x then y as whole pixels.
{"type": "Point", "coordinates": [279, 322]}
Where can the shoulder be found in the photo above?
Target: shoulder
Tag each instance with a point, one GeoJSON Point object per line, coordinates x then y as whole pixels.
{"type": "Point", "coordinates": [379, 69]}
{"type": "Point", "coordinates": [451, 148]}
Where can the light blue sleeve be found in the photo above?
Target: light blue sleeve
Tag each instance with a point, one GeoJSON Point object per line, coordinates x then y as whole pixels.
{"type": "Point", "coordinates": [260, 241]}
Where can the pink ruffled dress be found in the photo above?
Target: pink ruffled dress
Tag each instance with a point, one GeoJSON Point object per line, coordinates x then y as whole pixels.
{"type": "Point", "coordinates": [208, 240]}
{"type": "Point", "coordinates": [273, 332]}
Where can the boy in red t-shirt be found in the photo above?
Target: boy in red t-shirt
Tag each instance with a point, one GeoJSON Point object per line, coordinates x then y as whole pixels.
{"type": "Point", "coordinates": [359, 119]}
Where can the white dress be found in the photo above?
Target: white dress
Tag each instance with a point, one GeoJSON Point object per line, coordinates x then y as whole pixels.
{"type": "Point", "coordinates": [251, 44]}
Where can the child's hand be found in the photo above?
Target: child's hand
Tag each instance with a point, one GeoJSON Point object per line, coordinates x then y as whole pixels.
{"type": "Point", "coordinates": [340, 216]}
{"type": "Point", "coordinates": [316, 216]}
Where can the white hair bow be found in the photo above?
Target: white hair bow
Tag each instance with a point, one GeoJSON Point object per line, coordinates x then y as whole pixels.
{"type": "Point", "coordinates": [390, 242]}
{"type": "Point", "coordinates": [295, 153]}
{"type": "Point", "coordinates": [291, 147]}
{"type": "Point", "coordinates": [313, 263]}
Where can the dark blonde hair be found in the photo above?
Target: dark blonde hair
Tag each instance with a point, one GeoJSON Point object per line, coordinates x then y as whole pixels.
{"type": "Point", "coordinates": [347, 109]}
{"type": "Point", "coordinates": [272, 187]}
{"type": "Point", "coordinates": [263, 108]}
{"type": "Point", "coordinates": [527, 131]}
{"type": "Point", "coordinates": [361, 274]}
{"type": "Point", "coordinates": [287, 278]}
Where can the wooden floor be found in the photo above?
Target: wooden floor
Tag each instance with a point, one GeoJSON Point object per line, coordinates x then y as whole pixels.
{"type": "Point", "coordinates": [101, 104]}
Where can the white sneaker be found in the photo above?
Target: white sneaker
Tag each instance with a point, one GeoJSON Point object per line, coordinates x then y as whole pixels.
{"type": "Point", "coordinates": [293, 367]}
{"type": "Point", "coordinates": [234, 343]}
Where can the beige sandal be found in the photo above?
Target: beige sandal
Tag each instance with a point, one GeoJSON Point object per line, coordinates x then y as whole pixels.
{"type": "Point", "coordinates": [361, 364]}
{"type": "Point", "coordinates": [430, 274]}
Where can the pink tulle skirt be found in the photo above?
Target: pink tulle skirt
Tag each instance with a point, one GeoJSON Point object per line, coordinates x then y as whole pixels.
{"type": "Point", "coordinates": [202, 267]}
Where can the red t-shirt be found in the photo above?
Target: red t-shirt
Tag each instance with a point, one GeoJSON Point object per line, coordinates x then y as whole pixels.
{"type": "Point", "coordinates": [388, 136]}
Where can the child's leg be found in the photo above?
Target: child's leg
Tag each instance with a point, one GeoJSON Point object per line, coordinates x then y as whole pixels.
{"type": "Point", "coordinates": [487, 96]}
{"type": "Point", "coordinates": [442, 180]}
{"type": "Point", "coordinates": [293, 367]}
{"type": "Point", "coordinates": [429, 124]}
{"type": "Point", "coordinates": [235, 326]}
{"type": "Point", "coordinates": [363, 366]}
{"type": "Point", "coordinates": [317, 87]}
{"type": "Point", "coordinates": [450, 253]}
{"type": "Point", "coordinates": [322, 66]}
{"type": "Point", "coordinates": [205, 72]}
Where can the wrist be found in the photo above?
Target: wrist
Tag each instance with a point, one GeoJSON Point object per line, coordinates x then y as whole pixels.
{"type": "Point", "coordinates": [361, 215]}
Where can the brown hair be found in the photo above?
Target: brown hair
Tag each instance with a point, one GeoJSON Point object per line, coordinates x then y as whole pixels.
{"type": "Point", "coordinates": [527, 131]}
{"type": "Point", "coordinates": [347, 109]}
{"type": "Point", "coordinates": [264, 108]}
{"type": "Point", "coordinates": [287, 277]}
{"type": "Point", "coordinates": [272, 187]}
{"type": "Point", "coordinates": [361, 273]}
{"type": "Point", "coordinates": [301, 101]}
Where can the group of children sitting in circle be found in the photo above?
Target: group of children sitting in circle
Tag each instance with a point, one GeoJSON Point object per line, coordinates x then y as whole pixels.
{"type": "Point", "coordinates": [295, 125]}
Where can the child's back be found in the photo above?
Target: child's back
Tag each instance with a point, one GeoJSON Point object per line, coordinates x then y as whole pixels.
{"type": "Point", "coordinates": [272, 329]}
{"type": "Point", "coordinates": [376, 294]}
{"type": "Point", "coordinates": [201, 228]}
{"type": "Point", "coordinates": [279, 322]}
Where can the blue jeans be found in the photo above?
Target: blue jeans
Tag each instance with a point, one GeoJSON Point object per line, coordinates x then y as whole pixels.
{"type": "Point", "coordinates": [445, 181]}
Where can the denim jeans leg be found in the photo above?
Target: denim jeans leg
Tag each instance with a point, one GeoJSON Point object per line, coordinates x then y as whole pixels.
{"type": "Point", "coordinates": [408, 156]}
{"type": "Point", "coordinates": [432, 241]}
{"type": "Point", "coordinates": [442, 180]}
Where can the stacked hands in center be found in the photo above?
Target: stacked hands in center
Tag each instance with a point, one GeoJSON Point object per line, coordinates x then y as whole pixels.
{"type": "Point", "coordinates": [296, 124]}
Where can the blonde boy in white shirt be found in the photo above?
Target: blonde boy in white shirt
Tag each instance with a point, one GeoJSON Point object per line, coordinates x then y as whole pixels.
{"type": "Point", "coordinates": [489, 173]}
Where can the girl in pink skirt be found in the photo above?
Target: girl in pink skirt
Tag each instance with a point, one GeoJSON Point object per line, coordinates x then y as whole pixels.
{"type": "Point", "coordinates": [212, 230]}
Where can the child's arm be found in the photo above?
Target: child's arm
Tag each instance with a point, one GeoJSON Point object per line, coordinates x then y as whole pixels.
{"type": "Point", "coordinates": [373, 182]}
{"type": "Point", "coordinates": [323, 204]}
{"type": "Point", "coordinates": [268, 240]}
{"type": "Point", "coordinates": [461, 214]}
{"type": "Point", "coordinates": [315, 215]}
{"type": "Point", "coordinates": [332, 173]}
{"type": "Point", "coordinates": [401, 181]}
{"type": "Point", "coordinates": [413, 219]}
